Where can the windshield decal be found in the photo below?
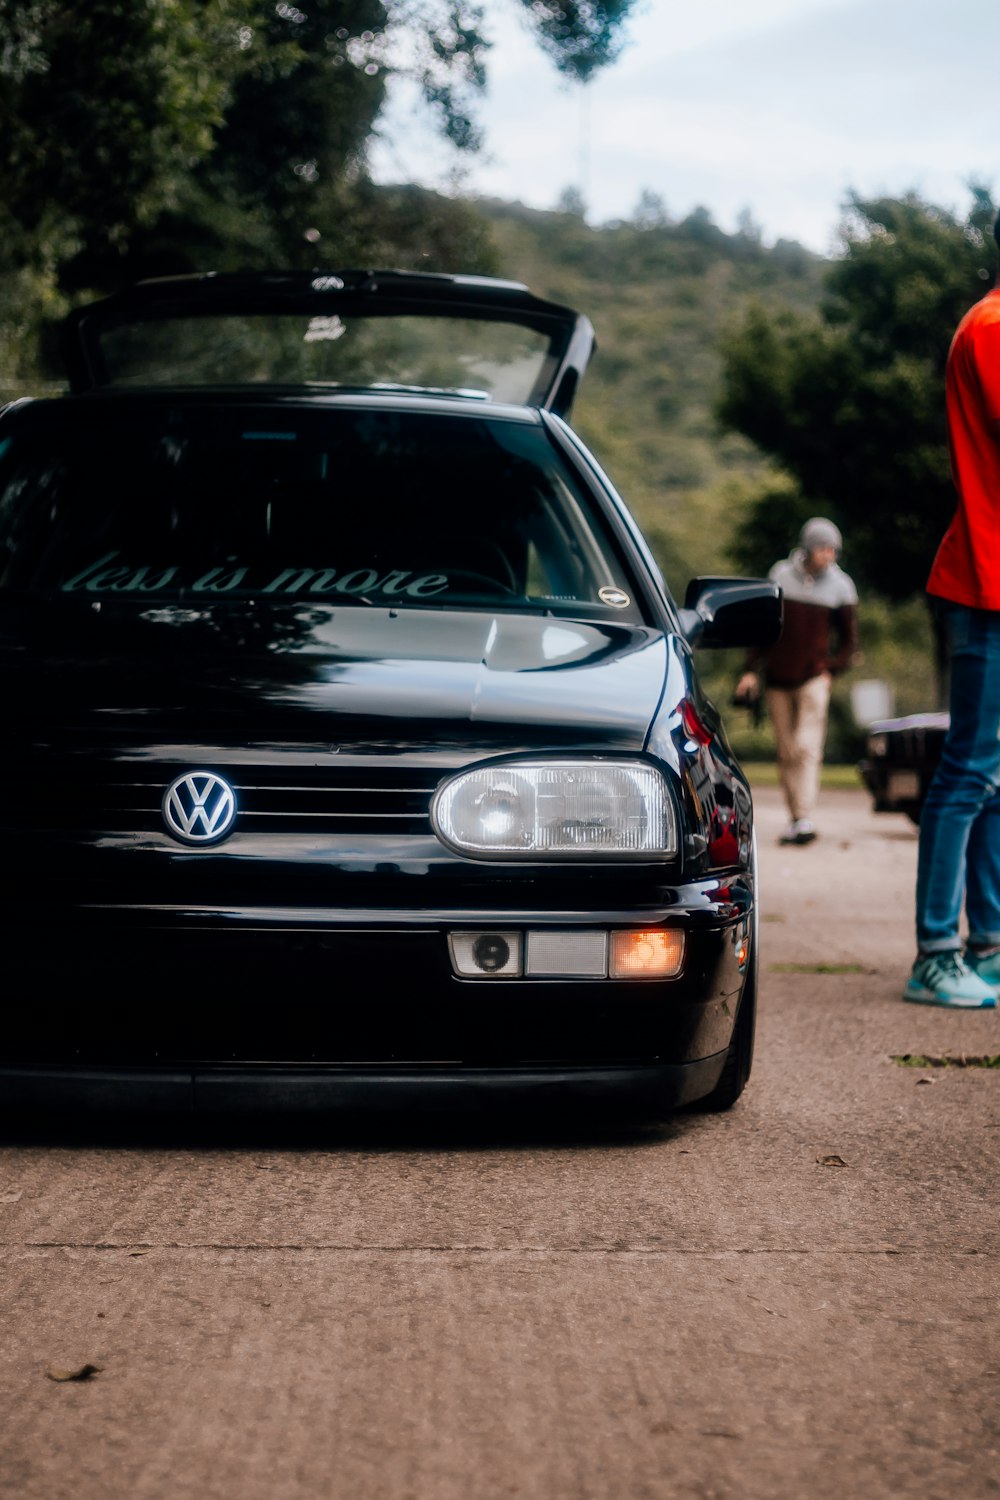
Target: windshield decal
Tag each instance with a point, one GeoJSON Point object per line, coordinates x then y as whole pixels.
{"type": "Point", "coordinates": [324, 328]}
{"type": "Point", "coordinates": [108, 576]}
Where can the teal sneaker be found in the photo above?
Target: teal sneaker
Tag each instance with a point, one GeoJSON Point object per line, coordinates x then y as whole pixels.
{"type": "Point", "coordinates": [986, 967]}
{"type": "Point", "coordinates": [946, 979]}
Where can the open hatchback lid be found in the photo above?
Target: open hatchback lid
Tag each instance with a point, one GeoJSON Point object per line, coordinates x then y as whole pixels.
{"type": "Point", "coordinates": [469, 336]}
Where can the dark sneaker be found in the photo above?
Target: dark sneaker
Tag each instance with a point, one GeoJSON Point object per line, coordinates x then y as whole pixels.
{"type": "Point", "coordinates": [946, 979]}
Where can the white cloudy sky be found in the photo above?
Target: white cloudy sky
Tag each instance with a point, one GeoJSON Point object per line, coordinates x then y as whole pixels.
{"type": "Point", "coordinates": [779, 106]}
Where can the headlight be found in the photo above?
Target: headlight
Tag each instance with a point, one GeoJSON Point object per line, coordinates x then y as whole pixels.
{"type": "Point", "coordinates": [877, 744]}
{"type": "Point", "coordinates": [552, 809]}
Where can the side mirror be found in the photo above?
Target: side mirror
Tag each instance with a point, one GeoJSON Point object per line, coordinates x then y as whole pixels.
{"type": "Point", "coordinates": [731, 612]}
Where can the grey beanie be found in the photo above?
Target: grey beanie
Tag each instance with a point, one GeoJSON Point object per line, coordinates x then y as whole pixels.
{"type": "Point", "coordinates": [819, 532]}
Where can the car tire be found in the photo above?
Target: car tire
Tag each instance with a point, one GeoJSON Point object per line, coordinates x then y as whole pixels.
{"type": "Point", "coordinates": [739, 1058]}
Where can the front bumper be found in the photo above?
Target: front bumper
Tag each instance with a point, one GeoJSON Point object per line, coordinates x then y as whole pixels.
{"type": "Point", "coordinates": [210, 1007]}
{"type": "Point", "coordinates": [237, 1090]}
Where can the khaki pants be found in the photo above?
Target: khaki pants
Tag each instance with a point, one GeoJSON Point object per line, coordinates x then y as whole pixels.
{"type": "Point", "coordinates": [799, 719]}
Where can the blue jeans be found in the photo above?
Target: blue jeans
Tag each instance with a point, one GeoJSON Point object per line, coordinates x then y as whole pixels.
{"type": "Point", "coordinates": [959, 855]}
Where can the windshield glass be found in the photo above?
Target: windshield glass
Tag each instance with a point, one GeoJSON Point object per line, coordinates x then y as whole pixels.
{"type": "Point", "coordinates": [166, 503]}
{"type": "Point", "coordinates": [496, 360]}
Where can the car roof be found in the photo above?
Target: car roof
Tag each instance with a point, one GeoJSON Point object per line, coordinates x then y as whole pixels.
{"type": "Point", "coordinates": [94, 405]}
{"type": "Point", "coordinates": [563, 340]}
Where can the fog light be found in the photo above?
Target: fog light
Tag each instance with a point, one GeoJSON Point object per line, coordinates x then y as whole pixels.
{"type": "Point", "coordinates": [486, 955]}
{"type": "Point", "coordinates": [656, 954]}
{"type": "Point", "coordinates": [490, 952]}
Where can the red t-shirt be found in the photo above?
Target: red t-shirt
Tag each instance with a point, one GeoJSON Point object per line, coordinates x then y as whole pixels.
{"type": "Point", "coordinates": [967, 566]}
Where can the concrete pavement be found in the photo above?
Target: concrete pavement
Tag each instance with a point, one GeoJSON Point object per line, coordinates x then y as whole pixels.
{"type": "Point", "coordinates": [798, 1299]}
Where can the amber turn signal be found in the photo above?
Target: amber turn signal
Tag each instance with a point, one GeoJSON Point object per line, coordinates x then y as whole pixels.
{"type": "Point", "coordinates": [653, 954]}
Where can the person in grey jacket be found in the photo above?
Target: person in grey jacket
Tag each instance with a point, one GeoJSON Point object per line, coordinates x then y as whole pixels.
{"type": "Point", "coordinates": [819, 640]}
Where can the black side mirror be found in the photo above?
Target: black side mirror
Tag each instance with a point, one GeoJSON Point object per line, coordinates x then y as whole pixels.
{"type": "Point", "coordinates": [731, 612]}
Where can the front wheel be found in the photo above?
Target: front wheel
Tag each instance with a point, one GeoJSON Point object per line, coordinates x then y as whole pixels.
{"type": "Point", "coordinates": [739, 1058]}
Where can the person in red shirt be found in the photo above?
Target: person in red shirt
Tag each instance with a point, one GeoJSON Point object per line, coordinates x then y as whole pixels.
{"type": "Point", "coordinates": [959, 853]}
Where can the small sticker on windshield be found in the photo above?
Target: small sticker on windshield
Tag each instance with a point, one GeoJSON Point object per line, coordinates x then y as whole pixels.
{"type": "Point", "coordinates": [324, 328]}
{"type": "Point", "coordinates": [617, 598]}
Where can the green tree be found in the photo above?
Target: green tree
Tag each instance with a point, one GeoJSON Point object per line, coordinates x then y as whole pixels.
{"type": "Point", "coordinates": [106, 108]}
{"type": "Point", "coordinates": [572, 202]}
{"type": "Point", "coordinates": [650, 211]}
{"type": "Point", "coordinates": [148, 137]}
{"type": "Point", "coordinates": [132, 123]}
{"type": "Point", "coordinates": [849, 402]}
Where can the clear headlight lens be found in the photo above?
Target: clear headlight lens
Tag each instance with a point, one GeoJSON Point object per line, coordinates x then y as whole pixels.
{"type": "Point", "coordinates": [558, 808]}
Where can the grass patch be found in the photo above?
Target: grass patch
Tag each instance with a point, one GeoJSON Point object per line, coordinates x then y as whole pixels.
{"type": "Point", "coordinates": [832, 778]}
{"type": "Point", "coordinates": [961, 1060]}
{"type": "Point", "coordinates": [817, 969]}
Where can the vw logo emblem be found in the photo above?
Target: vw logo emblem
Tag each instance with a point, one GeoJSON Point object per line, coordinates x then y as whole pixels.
{"type": "Point", "coordinates": [199, 807]}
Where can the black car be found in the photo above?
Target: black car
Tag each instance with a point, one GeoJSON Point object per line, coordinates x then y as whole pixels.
{"type": "Point", "coordinates": [901, 756]}
{"type": "Point", "coordinates": [354, 749]}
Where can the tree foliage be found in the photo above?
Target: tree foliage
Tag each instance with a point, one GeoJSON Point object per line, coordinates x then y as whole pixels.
{"type": "Point", "coordinates": [849, 402]}
{"type": "Point", "coordinates": [580, 38]}
{"type": "Point", "coordinates": [659, 296]}
{"type": "Point", "coordinates": [106, 107]}
{"type": "Point", "coordinates": [137, 130]}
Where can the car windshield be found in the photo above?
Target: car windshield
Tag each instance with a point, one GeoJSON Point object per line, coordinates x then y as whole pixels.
{"type": "Point", "coordinates": [495, 360]}
{"type": "Point", "coordinates": [191, 504]}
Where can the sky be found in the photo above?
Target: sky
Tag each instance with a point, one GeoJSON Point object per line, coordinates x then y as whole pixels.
{"type": "Point", "coordinates": [779, 107]}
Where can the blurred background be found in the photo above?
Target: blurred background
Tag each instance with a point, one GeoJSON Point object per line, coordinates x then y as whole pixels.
{"type": "Point", "coordinates": [774, 215]}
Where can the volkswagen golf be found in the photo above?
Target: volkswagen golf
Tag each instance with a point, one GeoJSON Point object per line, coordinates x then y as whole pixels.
{"type": "Point", "coordinates": [354, 744]}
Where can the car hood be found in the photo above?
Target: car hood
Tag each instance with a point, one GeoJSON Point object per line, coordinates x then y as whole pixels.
{"type": "Point", "coordinates": [306, 678]}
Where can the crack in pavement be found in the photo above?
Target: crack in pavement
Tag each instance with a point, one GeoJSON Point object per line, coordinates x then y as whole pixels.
{"type": "Point", "coordinates": [647, 1252]}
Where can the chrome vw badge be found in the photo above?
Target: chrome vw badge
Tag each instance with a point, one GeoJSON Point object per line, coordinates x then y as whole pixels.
{"type": "Point", "coordinates": [199, 807]}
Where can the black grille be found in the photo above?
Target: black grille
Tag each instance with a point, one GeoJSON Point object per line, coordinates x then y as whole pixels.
{"type": "Point", "coordinates": [338, 800]}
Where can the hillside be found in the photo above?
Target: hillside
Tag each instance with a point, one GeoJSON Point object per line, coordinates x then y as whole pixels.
{"type": "Point", "coordinates": [658, 297]}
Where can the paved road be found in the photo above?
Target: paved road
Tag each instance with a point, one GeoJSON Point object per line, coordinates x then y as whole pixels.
{"type": "Point", "coordinates": [798, 1299]}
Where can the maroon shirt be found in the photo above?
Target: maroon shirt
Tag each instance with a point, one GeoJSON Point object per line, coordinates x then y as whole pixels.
{"type": "Point", "coordinates": [820, 625]}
